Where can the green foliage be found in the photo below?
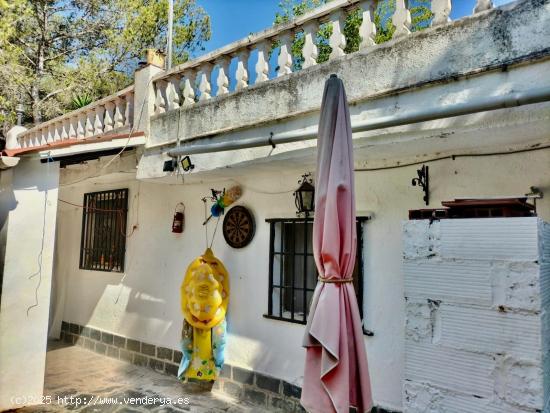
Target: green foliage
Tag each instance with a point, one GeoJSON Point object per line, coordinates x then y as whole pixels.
{"type": "Point", "coordinates": [53, 50]}
{"type": "Point", "coordinates": [421, 15]}
{"type": "Point", "coordinates": [79, 101]}
{"type": "Point", "coordinates": [382, 21]}
{"type": "Point", "coordinates": [290, 9]}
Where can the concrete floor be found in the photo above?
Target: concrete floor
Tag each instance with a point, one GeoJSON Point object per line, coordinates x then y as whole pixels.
{"type": "Point", "coordinates": [100, 384]}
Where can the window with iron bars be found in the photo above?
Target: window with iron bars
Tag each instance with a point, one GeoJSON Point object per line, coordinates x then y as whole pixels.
{"type": "Point", "coordinates": [292, 270]}
{"type": "Point", "coordinates": [103, 238]}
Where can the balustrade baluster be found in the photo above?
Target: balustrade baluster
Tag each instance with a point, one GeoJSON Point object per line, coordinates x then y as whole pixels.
{"type": "Point", "coordinates": [42, 136]}
{"type": "Point", "coordinates": [189, 87]}
{"type": "Point", "coordinates": [204, 82]}
{"type": "Point", "coordinates": [118, 116]}
{"type": "Point", "coordinates": [90, 128]}
{"type": "Point", "coordinates": [482, 5]}
{"type": "Point", "coordinates": [223, 75]}
{"type": "Point", "coordinates": [309, 51]}
{"type": "Point", "coordinates": [108, 120]}
{"type": "Point", "coordinates": [401, 19]}
{"type": "Point", "coordinates": [50, 134]}
{"type": "Point", "coordinates": [285, 54]}
{"type": "Point", "coordinates": [337, 40]}
{"type": "Point", "coordinates": [73, 124]}
{"type": "Point", "coordinates": [65, 129]}
{"type": "Point", "coordinates": [173, 92]}
{"type": "Point", "coordinates": [56, 132]}
{"type": "Point", "coordinates": [367, 30]}
{"type": "Point", "coordinates": [262, 65]}
{"type": "Point", "coordinates": [81, 127]}
{"type": "Point", "coordinates": [98, 120]}
{"type": "Point", "coordinates": [129, 109]}
{"type": "Point", "coordinates": [441, 9]}
{"type": "Point", "coordinates": [241, 74]}
{"type": "Point", "coordinates": [160, 96]}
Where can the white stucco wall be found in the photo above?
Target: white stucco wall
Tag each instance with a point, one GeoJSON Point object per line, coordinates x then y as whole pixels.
{"type": "Point", "coordinates": [143, 303]}
{"type": "Point", "coordinates": [28, 206]}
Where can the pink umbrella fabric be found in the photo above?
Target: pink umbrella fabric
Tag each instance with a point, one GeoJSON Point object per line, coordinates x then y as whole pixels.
{"type": "Point", "coordinates": [336, 372]}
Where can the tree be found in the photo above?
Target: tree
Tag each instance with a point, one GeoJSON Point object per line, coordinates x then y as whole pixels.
{"type": "Point", "coordinates": [290, 9]}
{"type": "Point", "coordinates": [59, 49]}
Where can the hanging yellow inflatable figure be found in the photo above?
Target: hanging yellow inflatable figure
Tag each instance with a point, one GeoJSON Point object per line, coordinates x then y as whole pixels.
{"type": "Point", "coordinates": [204, 300]}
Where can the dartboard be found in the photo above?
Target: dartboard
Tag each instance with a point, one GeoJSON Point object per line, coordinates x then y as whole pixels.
{"type": "Point", "coordinates": [238, 227]}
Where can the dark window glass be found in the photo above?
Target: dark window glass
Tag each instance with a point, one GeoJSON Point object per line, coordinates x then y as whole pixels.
{"type": "Point", "coordinates": [292, 272]}
{"type": "Point", "coordinates": [103, 239]}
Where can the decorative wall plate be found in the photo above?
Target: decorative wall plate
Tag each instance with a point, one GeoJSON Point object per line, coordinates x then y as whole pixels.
{"type": "Point", "coordinates": [238, 227]}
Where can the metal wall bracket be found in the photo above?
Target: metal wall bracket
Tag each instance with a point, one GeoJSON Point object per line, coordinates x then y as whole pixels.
{"type": "Point", "coordinates": [423, 181]}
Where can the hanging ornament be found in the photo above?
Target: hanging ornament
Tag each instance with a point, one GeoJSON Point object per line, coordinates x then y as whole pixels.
{"type": "Point", "coordinates": [204, 300]}
{"type": "Point", "coordinates": [222, 199]}
{"type": "Point", "coordinates": [178, 223]}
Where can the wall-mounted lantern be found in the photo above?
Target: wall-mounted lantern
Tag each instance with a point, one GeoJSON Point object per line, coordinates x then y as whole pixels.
{"type": "Point", "coordinates": [304, 196]}
{"type": "Point", "coordinates": [423, 181]}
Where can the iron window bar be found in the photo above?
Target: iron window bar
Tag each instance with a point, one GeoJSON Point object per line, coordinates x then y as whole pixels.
{"type": "Point", "coordinates": [287, 252]}
{"type": "Point", "coordinates": [103, 237]}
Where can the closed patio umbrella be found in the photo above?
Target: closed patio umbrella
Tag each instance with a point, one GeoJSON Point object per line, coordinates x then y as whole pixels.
{"type": "Point", "coordinates": [336, 372]}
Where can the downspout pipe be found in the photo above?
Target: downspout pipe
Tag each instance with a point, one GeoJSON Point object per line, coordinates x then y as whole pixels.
{"type": "Point", "coordinates": [467, 108]}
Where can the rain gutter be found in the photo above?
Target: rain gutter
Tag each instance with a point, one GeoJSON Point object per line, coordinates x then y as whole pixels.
{"type": "Point", "coordinates": [467, 108]}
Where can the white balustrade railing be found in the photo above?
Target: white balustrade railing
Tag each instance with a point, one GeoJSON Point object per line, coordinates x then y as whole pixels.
{"type": "Point", "coordinates": [193, 80]}
{"type": "Point", "coordinates": [104, 116]}
{"type": "Point", "coordinates": [227, 69]}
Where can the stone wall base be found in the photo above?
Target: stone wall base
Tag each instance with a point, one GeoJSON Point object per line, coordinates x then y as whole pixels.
{"type": "Point", "coordinates": [256, 388]}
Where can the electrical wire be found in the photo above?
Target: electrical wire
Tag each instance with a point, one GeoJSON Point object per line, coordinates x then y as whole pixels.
{"type": "Point", "coordinates": [214, 234]}
{"type": "Point", "coordinates": [119, 211]}
{"type": "Point", "coordinates": [404, 165]}
{"type": "Point", "coordinates": [205, 225]}
{"type": "Point", "coordinates": [453, 157]}
{"type": "Point", "coordinates": [131, 129]}
{"type": "Point", "coordinates": [95, 176]}
{"type": "Point", "coordinates": [259, 191]}
{"type": "Point", "coordinates": [41, 253]}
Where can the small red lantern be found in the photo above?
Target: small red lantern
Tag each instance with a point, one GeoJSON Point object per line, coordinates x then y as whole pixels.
{"type": "Point", "coordinates": [179, 218]}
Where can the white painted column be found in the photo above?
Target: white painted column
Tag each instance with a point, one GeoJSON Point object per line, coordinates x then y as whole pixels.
{"type": "Point", "coordinates": [28, 211]}
{"type": "Point", "coordinates": [144, 98]}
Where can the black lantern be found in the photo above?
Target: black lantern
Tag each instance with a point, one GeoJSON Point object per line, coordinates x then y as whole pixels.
{"type": "Point", "coordinates": [305, 196]}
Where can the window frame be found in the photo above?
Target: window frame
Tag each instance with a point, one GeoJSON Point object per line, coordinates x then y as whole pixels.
{"type": "Point", "coordinates": [92, 219]}
{"type": "Point", "coordinates": [359, 261]}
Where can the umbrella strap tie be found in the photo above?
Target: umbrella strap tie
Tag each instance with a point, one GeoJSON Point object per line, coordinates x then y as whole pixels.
{"type": "Point", "coordinates": [335, 280]}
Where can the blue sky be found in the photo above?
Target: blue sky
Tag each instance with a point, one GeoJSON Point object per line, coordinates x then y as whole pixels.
{"type": "Point", "coordinates": [234, 19]}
